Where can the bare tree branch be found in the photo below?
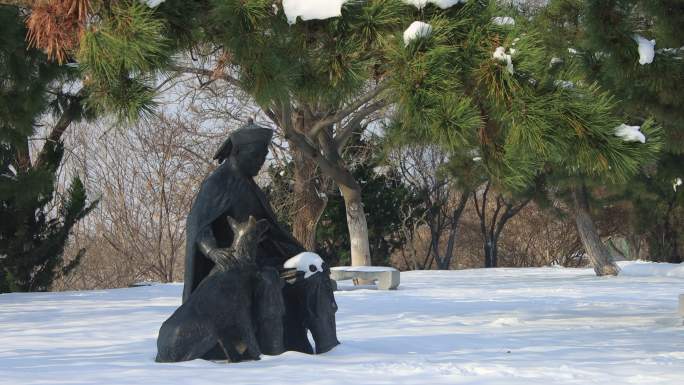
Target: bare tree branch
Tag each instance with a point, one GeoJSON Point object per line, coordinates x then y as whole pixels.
{"type": "Point", "coordinates": [206, 72]}
{"type": "Point", "coordinates": [343, 113]}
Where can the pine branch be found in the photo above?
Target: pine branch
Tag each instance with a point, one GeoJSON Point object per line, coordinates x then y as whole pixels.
{"type": "Point", "coordinates": [343, 113]}
{"type": "Point", "coordinates": [55, 136]}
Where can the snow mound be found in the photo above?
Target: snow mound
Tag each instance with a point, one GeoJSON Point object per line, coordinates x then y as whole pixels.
{"type": "Point", "coordinates": [677, 183]}
{"type": "Point", "coordinates": [651, 269]}
{"type": "Point", "coordinates": [630, 133]}
{"type": "Point", "coordinates": [308, 262]}
{"type": "Point", "coordinates": [444, 4]}
{"type": "Point", "coordinates": [503, 20]}
{"type": "Point", "coordinates": [415, 30]}
{"type": "Point", "coordinates": [312, 9]}
{"type": "Point", "coordinates": [646, 49]}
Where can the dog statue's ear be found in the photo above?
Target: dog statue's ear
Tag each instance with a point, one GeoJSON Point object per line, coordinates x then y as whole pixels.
{"type": "Point", "coordinates": [232, 222]}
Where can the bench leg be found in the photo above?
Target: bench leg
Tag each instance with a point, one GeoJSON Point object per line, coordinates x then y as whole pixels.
{"type": "Point", "coordinates": [388, 281]}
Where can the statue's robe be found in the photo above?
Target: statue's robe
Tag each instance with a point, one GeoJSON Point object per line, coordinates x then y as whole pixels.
{"type": "Point", "coordinates": [227, 193]}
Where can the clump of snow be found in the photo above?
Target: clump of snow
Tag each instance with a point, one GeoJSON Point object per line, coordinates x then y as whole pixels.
{"type": "Point", "coordinates": [415, 30]}
{"type": "Point", "coordinates": [572, 51]}
{"type": "Point", "coordinates": [503, 20]}
{"type": "Point", "coordinates": [501, 55]}
{"type": "Point", "coordinates": [651, 269]}
{"type": "Point", "coordinates": [152, 3]}
{"type": "Point", "coordinates": [630, 133]}
{"type": "Point", "coordinates": [444, 4]}
{"type": "Point", "coordinates": [677, 183]}
{"type": "Point", "coordinates": [554, 61]}
{"type": "Point", "coordinates": [646, 49]}
{"type": "Point", "coordinates": [675, 53]}
{"type": "Point", "coordinates": [382, 170]}
{"type": "Point", "coordinates": [308, 262]}
{"type": "Point", "coordinates": [565, 84]}
{"type": "Point", "coordinates": [312, 9]}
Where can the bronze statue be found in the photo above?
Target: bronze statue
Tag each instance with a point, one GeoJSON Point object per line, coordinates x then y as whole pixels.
{"type": "Point", "coordinates": [218, 315]}
{"type": "Point", "coordinates": [229, 193]}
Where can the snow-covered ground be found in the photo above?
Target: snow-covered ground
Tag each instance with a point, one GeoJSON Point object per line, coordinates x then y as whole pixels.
{"type": "Point", "coordinates": [495, 326]}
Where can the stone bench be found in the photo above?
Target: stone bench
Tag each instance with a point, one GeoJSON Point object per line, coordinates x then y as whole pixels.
{"type": "Point", "coordinates": [386, 278]}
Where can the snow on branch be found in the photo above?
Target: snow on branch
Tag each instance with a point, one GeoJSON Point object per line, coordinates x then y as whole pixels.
{"type": "Point", "coordinates": [646, 49]}
{"type": "Point", "coordinates": [503, 20]}
{"type": "Point", "coordinates": [630, 133]}
{"type": "Point", "coordinates": [152, 3]}
{"type": "Point", "coordinates": [444, 4]}
{"type": "Point", "coordinates": [501, 55]}
{"type": "Point", "coordinates": [415, 30]}
{"type": "Point", "coordinates": [312, 9]}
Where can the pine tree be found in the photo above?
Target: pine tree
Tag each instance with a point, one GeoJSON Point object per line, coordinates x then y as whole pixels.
{"type": "Point", "coordinates": [32, 236]}
{"type": "Point", "coordinates": [316, 80]}
{"type": "Point", "coordinates": [650, 89]}
{"type": "Point", "coordinates": [612, 41]}
{"type": "Point", "coordinates": [479, 84]}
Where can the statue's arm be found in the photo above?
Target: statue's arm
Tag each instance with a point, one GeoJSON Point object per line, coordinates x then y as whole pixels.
{"type": "Point", "coordinates": [287, 241]}
{"type": "Point", "coordinates": [206, 242]}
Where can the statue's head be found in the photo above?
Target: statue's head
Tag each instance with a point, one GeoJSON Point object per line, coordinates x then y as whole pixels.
{"type": "Point", "coordinates": [246, 148]}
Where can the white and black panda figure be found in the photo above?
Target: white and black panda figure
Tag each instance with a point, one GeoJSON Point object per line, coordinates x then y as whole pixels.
{"type": "Point", "coordinates": [307, 262]}
{"type": "Point", "coordinates": [314, 303]}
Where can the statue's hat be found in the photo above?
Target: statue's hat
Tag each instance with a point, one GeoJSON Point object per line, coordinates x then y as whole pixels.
{"type": "Point", "coordinates": [249, 133]}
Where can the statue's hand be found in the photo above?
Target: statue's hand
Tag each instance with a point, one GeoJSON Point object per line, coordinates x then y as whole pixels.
{"type": "Point", "coordinates": [223, 258]}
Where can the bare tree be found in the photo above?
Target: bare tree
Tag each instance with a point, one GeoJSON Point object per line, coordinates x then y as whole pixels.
{"type": "Point", "coordinates": [504, 209]}
{"type": "Point", "coordinates": [147, 176]}
{"type": "Point", "coordinates": [443, 203]}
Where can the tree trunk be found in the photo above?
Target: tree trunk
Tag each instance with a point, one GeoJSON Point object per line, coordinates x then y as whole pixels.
{"type": "Point", "coordinates": [596, 251]}
{"type": "Point", "coordinates": [445, 262]}
{"type": "Point", "coordinates": [356, 223]}
{"type": "Point", "coordinates": [309, 204]}
{"type": "Point", "coordinates": [670, 235]}
{"type": "Point", "coordinates": [326, 154]}
{"type": "Point", "coordinates": [489, 253]}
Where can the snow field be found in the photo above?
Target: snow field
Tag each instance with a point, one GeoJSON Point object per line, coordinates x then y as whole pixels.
{"type": "Point", "coordinates": [493, 326]}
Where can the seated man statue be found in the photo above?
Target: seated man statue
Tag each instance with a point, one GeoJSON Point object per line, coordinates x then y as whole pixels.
{"type": "Point", "coordinates": [230, 192]}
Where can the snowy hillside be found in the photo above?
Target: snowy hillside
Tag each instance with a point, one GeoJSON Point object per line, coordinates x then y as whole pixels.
{"type": "Point", "coordinates": [495, 326]}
